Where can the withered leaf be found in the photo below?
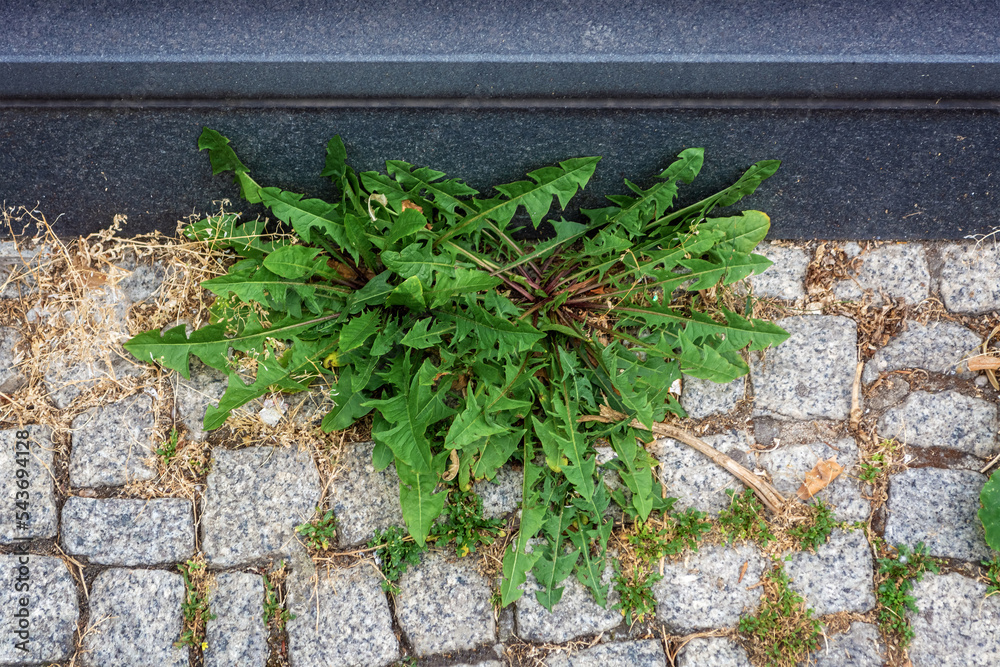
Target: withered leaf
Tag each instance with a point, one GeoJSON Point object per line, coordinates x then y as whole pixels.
{"type": "Point", "coordinates": [984, 362]}
{"type": "Point", "coordinates": [818, 478]}
{"type": "Point", "coordinates": [452, 468]}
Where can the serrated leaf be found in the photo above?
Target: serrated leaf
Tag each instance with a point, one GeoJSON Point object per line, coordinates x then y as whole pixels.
{"type": "Point", "coordinates": [409, 413]}
{"type": "Point", "coordinates": [410, 221]}
{"type": "Point", "coordinates": [359, 329]}
{"type": "Point", "coordinates": [554, 564]}
{"type": "Point", "coordinates": [444, 193]}
{"type": "Point", "coordinates": [210, 344]}
{"type": "Point", "coordinates": [223, 158]}
{"type": "Point", "coordinates": [705, 362]}
{"type": "Point", "coordinates": [421, 506]}
{"type": "Point", "coordinates": [292, 375]}
{"type": "Point", "coordinates": [306, 215]}
{"type": "Point", "coordinates": [263, 286]}
{"type": "Point", "coordinates": [517, 561]}
{"type": "Point", "coordinates": [423, 335]}
{"type": "Point", "coordinates": [409, 293]}
{"type": "Point", "coordinates": [635, 469]}
{"type": "Point", "coordinates": [471, 425]}
{"type": "Point", "coordinates": [536, 195]}
{"type": "Point", "coordinates": [375, 293]}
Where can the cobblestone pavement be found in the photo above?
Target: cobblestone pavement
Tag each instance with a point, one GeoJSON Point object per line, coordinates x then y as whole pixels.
{"type": "Point", "coordinates": [106, 522]}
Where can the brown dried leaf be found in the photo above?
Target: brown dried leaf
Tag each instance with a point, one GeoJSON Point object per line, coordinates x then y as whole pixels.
{"type": "Point", "coordinates": [818, 478]}
{"type": "Point", "coordinates": [452, 471]}
{"type": "Point", "coordinates": [984, 362]}
{"type": "Point", "coordinates": [408, 204]}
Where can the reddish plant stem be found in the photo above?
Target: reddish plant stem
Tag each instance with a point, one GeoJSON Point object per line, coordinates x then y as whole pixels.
{"type": "Point", "coordinates": [524, 274]}
{"type": "Point", "coordinates": [517, 288]}
{"type": "Point", "coordinates": [547, 287]}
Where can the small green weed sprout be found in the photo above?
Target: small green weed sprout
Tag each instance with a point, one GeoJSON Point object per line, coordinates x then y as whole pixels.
{"type": "Point", "coordinates": [894, 592]}
{"type": "Point", "coordinates": [814, 533]}
{"type": "Point", "coordinates": [683, 530]}
{"type": "Point", "coordinates": [195, 604]}
{"type": "Point", "coordinates": [168, 449]}
{"type": "Point", "coordinates": [321, 531]}
{"type": "Point", "coordinates": [744, 519]}
{"type": "Point", "coordinates": [463, 523]}
{"type": "Point", "coordinates": [395, 552]}
{"type": "Point", "coordinates": [274, 604]}
{"type": "Point", "coordinates": [992, 575]}
{"type": "Point", "coordinates": [635, 591]}
{"type": "Point", "coordinates": [783, 631]}
{"type": "Point", "coordinates": [877, 463]}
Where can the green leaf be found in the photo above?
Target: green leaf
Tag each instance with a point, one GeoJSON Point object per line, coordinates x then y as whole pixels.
{"type": "Point", "coordinates": [348, 399]}
{"type": "Point", "coordinates": [748, 182]}
{"type": "Point", "coordinates": [295, 261]}
{"type": "Point", "coordinates": [471, 424]}
{"type": "Point", "coordinates": [989, 513]}
{"type": "Point", "coordinates": [291, 375]}
{"type": "Point", "coordinates": [410, 413]}
{"type": "Point", "coordinates": [409, 222]}
{"type": "Point", "coordinates": [264, 286]}
{"type": "Point", "coordinates": [705, 362]}
{"type": "Point", "coordinates": [635, 469]}
{"type": "Point", "coordinates": [306, 215]}
{"type": "Point", "coordinates": [210, 344]}
{"type": "Point", "coordinates": [409, 293]}
{"type": "Point", "coordinates": [423, 335]}
{"type": "Point", "coordinates": [359, 329]}
{"type": "Point", "coordinates": [535, 195]}
{"type": "Point", "coordinates": [517, 561]}
{"type": "Point", "coordinates": [417, 498]}
{"type": "Point", "coordinates": [381, 456]}
{"type": "Point", "coordinates": [336, 162]}
{"type": "Point", "coordinates": [223, 158]}
{"type": "Point", "coordinates": [445, 194]}
{"type": "Point", "coordinates": [375, 293]}
{"type": "Point", "coordinates": [555, 564]}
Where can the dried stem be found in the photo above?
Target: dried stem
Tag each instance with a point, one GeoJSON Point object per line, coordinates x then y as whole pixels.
{"type": "Point", "coordinates": [768, 495]}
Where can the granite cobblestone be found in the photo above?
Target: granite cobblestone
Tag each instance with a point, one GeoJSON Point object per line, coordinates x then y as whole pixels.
{"type": "Point", "coordinates": [85, 498]}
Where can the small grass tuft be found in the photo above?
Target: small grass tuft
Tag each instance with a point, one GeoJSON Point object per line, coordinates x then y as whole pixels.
{"type": "Point", "coordinates": [195, 604]}
{"type": "Point", "coordinates": [744, 519]}
{"type": "Point", "coordinates": [682, 531]}
{"type": "Point", "coordinates": [463, 523]}
{"type": "Point", "coordinates": [274, 599]}
{"type": "Point", "coordinates": [783, 631]}
{"type": "Point", "coordinates": [893, 593]}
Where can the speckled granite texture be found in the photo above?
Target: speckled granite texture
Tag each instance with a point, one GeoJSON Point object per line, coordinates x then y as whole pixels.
{"type": "Point", "coordinates": [444, 606]}
{"type": "Point", "coordinates": [96, 495]}
{"type": "Point", "coordinates": [35, 452]}
{"type": "Point", "coordinates": [140, 619]}
{"type": "Point", "coordinates": [113, 531]}
{"type": "Point", "coordinates": [49, 596]}
{"type": "Point", "coordinates": [342, 618]}
{"type": "Point", "coordinates": [255, 498]}
{"type": "Point", "coordinates": [113, 444]}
